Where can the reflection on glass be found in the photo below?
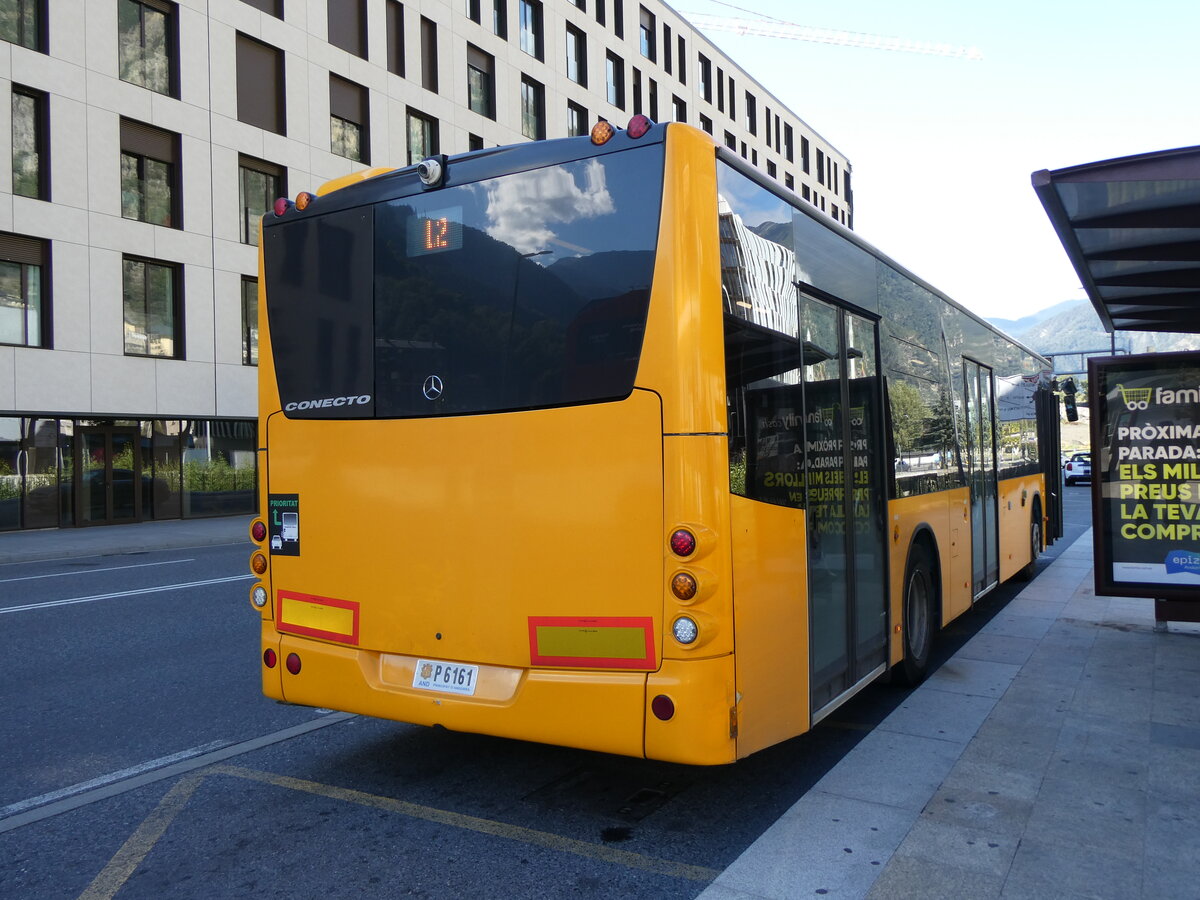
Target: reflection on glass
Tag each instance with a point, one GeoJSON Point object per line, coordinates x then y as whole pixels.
{"type": "Point", "coordinates": [219, 467]}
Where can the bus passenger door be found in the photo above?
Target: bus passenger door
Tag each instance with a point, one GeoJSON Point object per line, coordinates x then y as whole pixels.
{"type": "Point", "coordinates": [981, 475]}
{"type": "Point", "coordinates": [844, 479]}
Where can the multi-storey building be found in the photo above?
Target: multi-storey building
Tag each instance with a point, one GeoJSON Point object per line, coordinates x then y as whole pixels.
{"type": "Point", "coordinates": [146, 138]}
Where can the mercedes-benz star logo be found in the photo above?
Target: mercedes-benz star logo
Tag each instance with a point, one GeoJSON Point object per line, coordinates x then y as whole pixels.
{"type": "Point", "coordinates": [432, 389]}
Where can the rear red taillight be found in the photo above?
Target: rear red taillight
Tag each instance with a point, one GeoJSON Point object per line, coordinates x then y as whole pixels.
{"type": "Point", "coordinates": [683, 543]}
{"type": "Point", "coordinates": [638, 126]}
{"type": "Point", "coordinates": [258, 531]}
{"type": "Point", "coordinates": [269, 658]}
{"type": "Point", "coordinates": [293, 663]}
{"type": "Point", "coordinates": [282, 205]}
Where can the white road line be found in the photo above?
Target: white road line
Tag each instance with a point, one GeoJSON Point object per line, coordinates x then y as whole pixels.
{"type": "Point", "coordinates": [114, 788]}
{"type": "Point", "coordinates": [169, 562]}
{"type": "Point", "coordinates": [150, 590]}
{"type": "Point", "coordinates": [13, 808]}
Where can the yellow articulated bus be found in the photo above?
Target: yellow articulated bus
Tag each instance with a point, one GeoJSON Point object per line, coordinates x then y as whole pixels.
{"type": "Point", "coordinates": [616, 444]}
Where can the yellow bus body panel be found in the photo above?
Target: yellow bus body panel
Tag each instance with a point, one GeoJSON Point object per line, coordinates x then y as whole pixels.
{"type": "Point", "coordinates": [700, 732]}
{"type": "Point", "coordinates": [943, 515]}
{"type": "Point", "coordinates": [770, 585]}
{"type": "Point", "coordinates": [1016, 514]}
{"type": "Point", "coordinates": [448, 534]}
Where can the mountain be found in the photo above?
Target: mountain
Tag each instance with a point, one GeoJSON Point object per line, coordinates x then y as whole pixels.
{"type": "Point", "coordinates": [1073, 326]}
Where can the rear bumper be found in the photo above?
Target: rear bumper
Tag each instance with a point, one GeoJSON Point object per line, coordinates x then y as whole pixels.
{"type": "Point", "coordinates": [592, 710]}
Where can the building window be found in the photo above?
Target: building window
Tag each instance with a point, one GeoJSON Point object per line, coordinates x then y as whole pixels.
{"type": "Point", "coordinates": [395, 38]}
{"type": "Point", "coordinates": [600, 7]}
{"type": "Point", "coordinates": [481, 90]}
{"type": "Point", "coordinates": [646, 35]}
{"type": "Point", "coordinates": [249, 321]}
{"type": "Point", "coordinates": [347, 20]}
{"type": "Point", "coordinates": [149, 174]}
{"type": "Point", "coordinates": [30, 161]}
{"type": "Point", "coordinates": [653, 99]}
{"type": "Point", "coordinates": [678, 109]}
{"type": "Point", "coordinates": [270, 7]}
{"type": "Point", "coordinates": [500, 18]}
{"type": "Point", "coordinates": [682, 60]}
{"type": "Point", "coordinates": [706, 123]}
{"type": "Point", "coordinates": [577, 119]}
{"type": "Point", "coordinates": [667, 48]}
{"type": "Point", "coordinates": [581, 4]}
{"type": "Point", "coordinates": [730, 141]}
{"type": "Point", "coordinates": [260, 94]}
{"type": "Point", "coordinates": [820, 167]}
{"type": "Point", "coordinates": [789, 182]}
{"type": "Point", "coordinates": [429, 55]}
{"type": "Point", "coordinates": [349, 120]}
{"type": "Point", "coordinates": [614, 68]}
{"type": "Point", "coordinates": [576, 55]}
{"type": "Point", "coordinates": [533, 109]}
{"type": "Point", "coordinates": [24, 295]}
{"type": "Point", "coordinates": [473, 11]}
{"type": "Point", "coordinates": [146, 44]}
{"type": "Point", "coordinates": [474, 142]}
{"type": "Point", "coordinates": [771, 170]}
{"type": "Point", "coordinates": [150, 290]}
{"type": "Point", "coordinates": [21, 23]}
{"type": "Point", "coordinates": [259, 183]}
{"type": "Point", "coordinates": [751, 113]}
{"type": "Point", "coordinates": [804, 154]}
{"type": "Point", "coordinates": [619, 18]}
{"type": "Point", "coordinates": [732, 100]}
{"type": "Point", "coordinates": [720, 89]}
{"type": "Point", "coordinates": [422, 136]}
{"type": "Point", "coordinates": [636, 89]}
{"type": "Point", "coordinates": [531, 27]}
{"type": "Point", "coordinates": [787, 143]}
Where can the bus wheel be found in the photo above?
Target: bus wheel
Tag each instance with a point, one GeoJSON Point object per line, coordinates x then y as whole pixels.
{"type": "Point", "coordinates": [919, 595]}
{"type": "Point", "coordinates": [1035, 543]}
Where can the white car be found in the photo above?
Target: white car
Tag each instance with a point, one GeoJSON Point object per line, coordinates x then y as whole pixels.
{"type": "Point", "coordinates": [1078, 468]}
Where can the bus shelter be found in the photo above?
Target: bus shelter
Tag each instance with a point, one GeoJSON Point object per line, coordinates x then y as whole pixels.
{"type": "Point", "coordinates": [1131, 228]}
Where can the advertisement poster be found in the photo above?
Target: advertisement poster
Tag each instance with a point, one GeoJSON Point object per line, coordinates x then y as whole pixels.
{"type": "Point", "coordinates": [1146, 473]}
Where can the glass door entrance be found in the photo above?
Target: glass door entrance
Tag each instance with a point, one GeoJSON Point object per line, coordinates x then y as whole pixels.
{"type": "Point", "coordinates": [981, 474]}
{"type": "Point", "coordinates": [845, 485]}
{"type": "Point", "coordinates": [109, 489]}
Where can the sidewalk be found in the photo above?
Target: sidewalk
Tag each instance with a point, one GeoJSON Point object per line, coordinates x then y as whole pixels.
{"type": "Point", "coordinates": [1057, 754]}
{"type": "Point", "coordinates": [103, 540]}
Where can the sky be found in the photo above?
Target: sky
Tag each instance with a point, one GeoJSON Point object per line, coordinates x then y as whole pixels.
{"type": "Point", "coordinates": [942, 149]}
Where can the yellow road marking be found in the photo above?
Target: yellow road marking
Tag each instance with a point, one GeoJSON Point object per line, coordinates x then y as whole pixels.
{"type": "Point", "coordinates": [113, 877]}
{"type": "Point", "coordinates": [562, 844]}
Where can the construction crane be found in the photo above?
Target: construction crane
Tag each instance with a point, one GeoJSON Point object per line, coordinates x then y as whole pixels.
{"type": "Point", "coordinates": [779, 29]}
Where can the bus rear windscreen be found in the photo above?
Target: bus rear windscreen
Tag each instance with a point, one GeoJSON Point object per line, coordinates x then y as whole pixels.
{"type": "Point", "coordinates": [524, 291]}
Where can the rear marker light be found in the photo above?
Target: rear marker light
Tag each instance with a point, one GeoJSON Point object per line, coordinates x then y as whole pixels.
{"type": "Point", "coordinates": [282, 205]}
{"type": "Point", "coordinates": [685, 630]}
{"type": "Point", "coordinates": [258, 531]}
{"type": "Point", "coordinates": [683, 586]}
{"type": "Point", "coordinates": [638, 126]}
{"type": "Point", "coordinates": [293, 663]}
{"type": "Point", "coordinates": [602, 133]}
{"type": "Point", "coordinates": [258, 563]}
{"type": "Point", "coordinates": [683, 543]}
{"type": "Point", "coordinates": [303, 199]}
{"type": "Point", "coordinates": [269, 658]}
{"type": "Point", "coordinates": [663, 707]}
{"type": "Point", "coordinates": [258, 596]}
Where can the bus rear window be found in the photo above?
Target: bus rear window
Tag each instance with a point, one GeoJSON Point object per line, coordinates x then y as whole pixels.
{"type": "Point", "coordinates": [524, 291]}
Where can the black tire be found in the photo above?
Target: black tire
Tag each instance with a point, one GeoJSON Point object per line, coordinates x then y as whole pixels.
{"type": "Point", "coordinates": [919, 606]}
{"type": "Point", "coordinates": [1035, 544]}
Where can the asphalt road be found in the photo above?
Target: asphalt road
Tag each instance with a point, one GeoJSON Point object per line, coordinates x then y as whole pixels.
{"type": "Point", "coordinates": [141, 760]}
